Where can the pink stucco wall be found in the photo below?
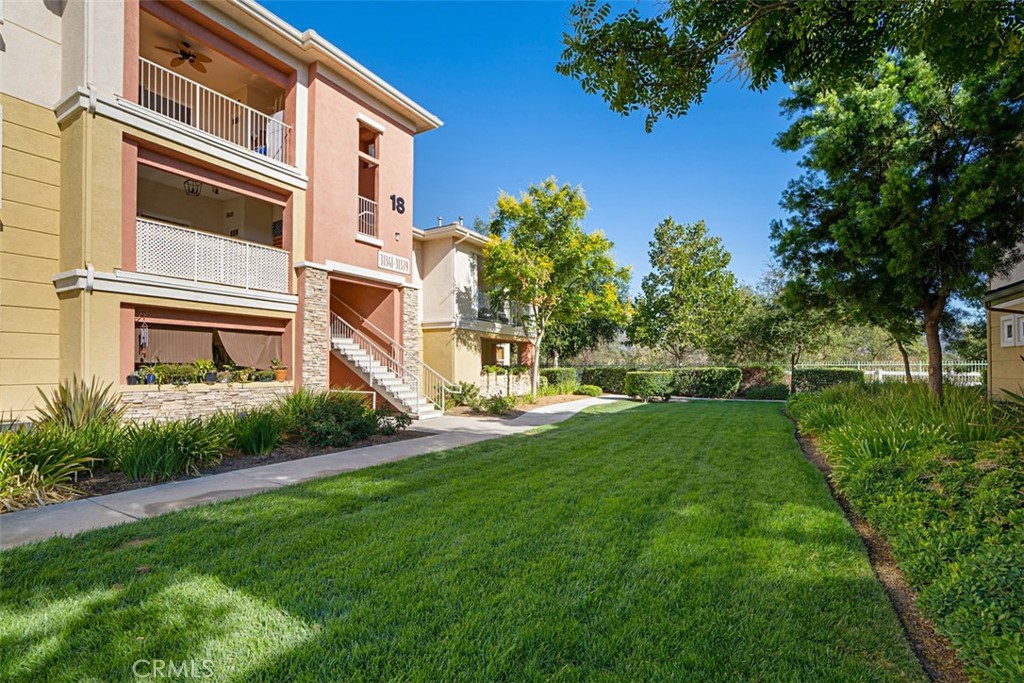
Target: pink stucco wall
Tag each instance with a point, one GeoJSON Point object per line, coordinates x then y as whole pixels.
{"type": "Point", "coordinates": [333, 171]}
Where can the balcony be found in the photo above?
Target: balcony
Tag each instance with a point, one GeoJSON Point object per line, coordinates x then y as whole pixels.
{"type": "Point", "coordinates": [367, 217]}
{"type": "Point", "coordinates": [195, 105]}
{"type": "Point", "coordinates": [509, 315]}
{"type": "Point", "coordinates": [174, 251]}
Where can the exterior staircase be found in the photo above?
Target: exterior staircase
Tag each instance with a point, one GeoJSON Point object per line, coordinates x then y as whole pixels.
{"type": "Point", "coordinates": [409, 385]}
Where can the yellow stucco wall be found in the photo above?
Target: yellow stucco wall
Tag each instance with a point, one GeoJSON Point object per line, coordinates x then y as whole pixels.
{"type": "Point", "coordinates": [1006, 368]}
{"type": "Point", "coordinates": [91, 233]}
{"type": "Point", "coordinates": [29, 254]}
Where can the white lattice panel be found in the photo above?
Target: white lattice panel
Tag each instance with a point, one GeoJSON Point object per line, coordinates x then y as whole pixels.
{"type": "Point", "coordinates": [170, 250]}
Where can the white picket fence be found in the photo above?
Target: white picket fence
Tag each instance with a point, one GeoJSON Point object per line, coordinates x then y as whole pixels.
{"type": "Point", "coordinates": [962, 373]}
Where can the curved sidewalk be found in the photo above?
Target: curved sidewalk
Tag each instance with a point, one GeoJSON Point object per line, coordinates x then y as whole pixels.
{"type": "Point", "coordinates": [66, 519]}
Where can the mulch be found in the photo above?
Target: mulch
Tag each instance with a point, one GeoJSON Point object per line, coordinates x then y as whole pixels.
{"type": "Point", "coordinates": [935, 652]}
{"type": "Point", "coordinates": [102, 483]}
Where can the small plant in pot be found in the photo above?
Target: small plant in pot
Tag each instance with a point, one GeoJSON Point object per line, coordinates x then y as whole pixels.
{"type": "Point", "coordinates": [280, 370]}
{"type": "Point", "coordinates": [206, 371]}
{"type": "Point", "coordinates": [227, 372]}
{"type": "Point", "coordinates": [132, 379]}
{"type": "Point", "coordinates": [147, 374]}
{"type": "Point", "coordinates": [263, 375]}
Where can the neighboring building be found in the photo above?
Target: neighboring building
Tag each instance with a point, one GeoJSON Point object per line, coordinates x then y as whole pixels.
{"type": "Point", "coordinates": [462, 331]}
{"type": "Point", "coordinates": [201, 180]}
{"type": "Point", "coordinates": [1005, 309]}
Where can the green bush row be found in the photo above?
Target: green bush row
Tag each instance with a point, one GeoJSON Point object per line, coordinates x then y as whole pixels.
{"type": "Point", "coordinates": [564, 379]}
{"type": "Point", "coordinates": [943, 483]}
{"type": "Point", "coordinates": [648, 384]}
{"type": "Point", "coordinates": [79, 430]}
{"type": "Point", "coordinates": [816, 379]}
{"type": "Point", "coordinates": [707, 382]}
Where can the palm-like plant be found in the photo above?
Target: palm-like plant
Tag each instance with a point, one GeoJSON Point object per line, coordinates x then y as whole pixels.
{"type": "Point", "coordinates": [74, 404]}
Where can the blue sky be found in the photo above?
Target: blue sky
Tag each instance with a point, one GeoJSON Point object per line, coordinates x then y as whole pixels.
{"type": "Point", "coordinates": [487, 70]}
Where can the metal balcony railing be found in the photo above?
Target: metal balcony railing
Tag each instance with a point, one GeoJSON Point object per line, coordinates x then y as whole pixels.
{"type": "Point", "coordinates": [174, 96]}
{"type": "Point", "coordinates": [367, 217]}
{"type": "Point", "coordinates": [174, 251]}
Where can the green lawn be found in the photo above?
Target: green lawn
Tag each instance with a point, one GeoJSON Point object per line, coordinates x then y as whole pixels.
{"type": "Point", "coordinates": [654, 542]}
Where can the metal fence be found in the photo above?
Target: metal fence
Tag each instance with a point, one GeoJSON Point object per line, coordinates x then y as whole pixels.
{"type": "Point", "coordinates": [955, 371]}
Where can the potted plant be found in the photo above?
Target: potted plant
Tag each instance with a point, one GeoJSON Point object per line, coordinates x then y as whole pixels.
{"type": "Point", "coordinates": [206, 370]}
{"type": "Point", "coordinates": [132, 379]}
{"type": "Point", "coordinates": [280, 370]}
{"type": "Point", "coordinates": [148, 374]}
{"type": "Point", "coordinates": [263, 375]}
{"type": "Point", "coordinates": [227, 372]}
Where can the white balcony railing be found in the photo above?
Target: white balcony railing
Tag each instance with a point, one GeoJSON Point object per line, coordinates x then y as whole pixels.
{"type": "Point", "coordinates": [176, 97]}
{"type": "Point", "coordinates": [174, 251]}
{"type": "Point", "coordinates": [367, 217]}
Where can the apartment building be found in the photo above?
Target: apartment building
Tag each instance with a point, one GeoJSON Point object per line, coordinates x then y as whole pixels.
{"type": "Point", "coordinates": [1004, 306]}
{"type": "Point", "coordinates": [189, 179]}
{"type": "Point", "coordinates": [462, 331]}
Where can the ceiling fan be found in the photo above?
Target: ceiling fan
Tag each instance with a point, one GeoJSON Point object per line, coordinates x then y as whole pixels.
{"type": "Point", "coordinates": [185, 53]}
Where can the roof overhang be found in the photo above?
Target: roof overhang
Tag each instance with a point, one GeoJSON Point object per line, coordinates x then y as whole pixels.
{"type": "Point", "coordinates": [1008, 299]}
{"type": "Point", "coordinates": [315, 48]}
{"type": "Point", "coordinates": [459, 232]}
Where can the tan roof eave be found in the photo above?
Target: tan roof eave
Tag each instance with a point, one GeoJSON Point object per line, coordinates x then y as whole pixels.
{"type": "Point", "coordinates": [311, 42]}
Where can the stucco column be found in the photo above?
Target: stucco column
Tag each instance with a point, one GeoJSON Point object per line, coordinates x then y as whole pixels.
{"type": "Point", "coordinates": [316, 330]}
{"type": "Point", "coordinates": [412, 333]}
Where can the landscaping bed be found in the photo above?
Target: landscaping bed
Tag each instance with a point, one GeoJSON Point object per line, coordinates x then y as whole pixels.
{"type": "Point", "coordinates": [521, 408]}
{"type": "Point", "coordinates": [102, 483]}
{"type": "Point", "coordinates": [944, 485]}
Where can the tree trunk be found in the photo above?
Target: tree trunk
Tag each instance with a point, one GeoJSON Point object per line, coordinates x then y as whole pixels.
{"type": "Point", "coordinates": [931, 335]}
{"type": "Point", "coordinates": [535, 367]}
{"type": "Point", "coordinates": [554, 356]}
{"type": "Point", "coordinates": [906, 360]}
{"type": "Point", "coordinates": [794, 358]}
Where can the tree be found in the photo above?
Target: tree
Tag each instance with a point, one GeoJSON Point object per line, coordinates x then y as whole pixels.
{"type": "Point", "coordinates": [689, 296]}
{"type": "Point", "coordinates": [969, 339]}
{"type": "Point", "coordinates": [663, 62]}
{"type": "Point", "coordinates": [911, 184]}
{"type": "Point", "coordinates": [540, 257]}
{"type": "Point", "coordinates": [568, 340]}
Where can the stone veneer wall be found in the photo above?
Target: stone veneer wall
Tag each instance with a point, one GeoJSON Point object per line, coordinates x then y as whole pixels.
{"type": "Point", "coordinates": [164, 403]}
{"type": "Point", "coordinates": [412, 334]}
{"type": "Point", "coordinates": [316, 332]}
{"type": "Point", "coordinates": [493, 385]}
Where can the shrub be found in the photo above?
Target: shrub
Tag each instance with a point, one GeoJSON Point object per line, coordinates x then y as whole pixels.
{"type": "Point", "coordinates": [257, 432]}
{"type": "Point", "coordinates": [612, 378]}
{"type": "Point", "coordinates": [563, 379]}
{"type": "Point", "coordinates": [816, 379]}
{"type": "Point", "coordinates": [468, 395]}
{"type": "Point", "coordinates": [707, 382]}
{"type": "Point", "coordinates": [757, 376]}
{"type": "Point", "coordinates": [942, 482]}
{"type": "Point", "coordinates": [772, 392]}
{"type": "Point", "coordinates": [296, 408]}
{"type": "Point", "coordinates": [339, 420]}
{"type": "Point", "coordinates": [263, 376]}
{"type": "Point", "coordinates": [390, 422]}
{"type": "Point", "coordinates": [588, 390]}
{"type": "Point", "coordinates": [160, 450]}
{"type": "Point", "coordinates": [500, 405]}
{"type": "Point", "coordinates": [646, 385]}
{"type": "Point", "coordinates": [39, 463]}
{"type": "Point", "coordinates": [178, 374]}
{"type": "Point", "coordinates": [75, 404]}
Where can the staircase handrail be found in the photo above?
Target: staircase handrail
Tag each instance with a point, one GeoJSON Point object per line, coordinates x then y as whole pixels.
{"type": "Point", "coordinates": [435, 377]}
{"type": "Point", "coordinates": [386, 359]}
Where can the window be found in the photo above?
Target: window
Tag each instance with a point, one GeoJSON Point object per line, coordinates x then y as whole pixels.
{"type": "Point", "coordinates": [1020, 330]}
{"type": "Point", "coordinates": [1006, 330]}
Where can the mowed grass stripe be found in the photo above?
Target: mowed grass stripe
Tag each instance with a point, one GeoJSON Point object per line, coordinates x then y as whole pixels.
{"type": "Point", "coordinates": [632, 542]}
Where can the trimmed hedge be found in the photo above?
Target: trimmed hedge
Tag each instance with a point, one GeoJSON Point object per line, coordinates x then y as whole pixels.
{"type": "Point", "coordinates": [612, 378]}
{"type": "Point", "coordinates": [588, 390]}
{"type": "Point", "coordinates": [560, 377]}
{"type": "Point", "coordinates": [774, 392]}
{"type": "Point", "coordinates": [649, 384]}
{"type": "Point", "coordinates": [707, 382]}
{"type": "Point", "coordinates": [761, 376]}
{"type": "Point", "coordinates": [816, 379]}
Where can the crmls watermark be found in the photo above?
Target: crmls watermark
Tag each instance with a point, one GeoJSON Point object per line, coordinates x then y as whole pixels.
{"type": "Point", "coordinates": [160, 668]}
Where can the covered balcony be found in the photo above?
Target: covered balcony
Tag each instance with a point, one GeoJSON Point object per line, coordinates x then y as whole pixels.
{"type": "Point", "coordinates": [195, 231]}
{"type": "Point", "coordinates": [182, 79]}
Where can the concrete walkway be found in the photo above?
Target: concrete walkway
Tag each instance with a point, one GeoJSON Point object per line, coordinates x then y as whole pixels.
{"type": "Point", "coordinates": [65, 519]}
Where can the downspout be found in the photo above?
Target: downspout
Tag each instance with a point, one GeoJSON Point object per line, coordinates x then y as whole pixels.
{"type": "Point", "coordinates": [87, 203]}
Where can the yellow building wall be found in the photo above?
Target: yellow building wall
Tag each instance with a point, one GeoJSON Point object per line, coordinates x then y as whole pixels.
{"type": "Point", "coordinates": [91, 233]}
{"type": "Point", "coordinates": [1006, 367]}
{"type": "Point", "coordinates": [29, 255]}
{"type": "Point", "coordinates": [439, 352]}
